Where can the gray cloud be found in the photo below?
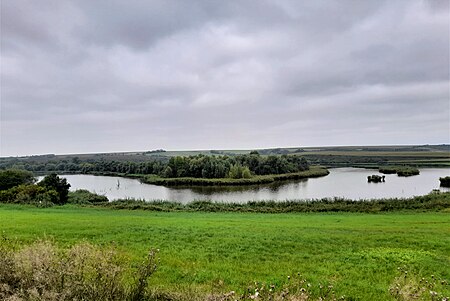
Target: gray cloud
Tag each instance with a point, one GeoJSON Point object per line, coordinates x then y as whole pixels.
{"type": "Point", "coordinates": [95, 76]}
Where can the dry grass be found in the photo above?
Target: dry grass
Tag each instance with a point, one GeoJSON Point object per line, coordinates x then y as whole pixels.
{"type": "Point", "coordinates": [84, 272]}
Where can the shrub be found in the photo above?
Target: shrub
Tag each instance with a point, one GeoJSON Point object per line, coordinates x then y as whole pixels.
{"type": "Point", "coordinates": [60, 185]}
{"type": "Point", "coordinates": [84, 272]}
{"type": "Point", "coordinates": [14, 177]}
{"type": "Point", "coordinates": [82, 196]}
{"type": "Point", "coordinates": [29, 194]}
{"type": "Point", "coordinates": [445, 182]}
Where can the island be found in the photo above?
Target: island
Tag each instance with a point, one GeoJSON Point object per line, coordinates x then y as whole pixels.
{"type": "Point", "coordinates": [311, 172]}
{"type": "Point", "coordinates": [246, 169]}
{"type": "Point", "coordinates": [401, 171]}
{"type": "Point", "coordinates": [375, 179]}
{"type": "Point", "coordinates": [445, 181]}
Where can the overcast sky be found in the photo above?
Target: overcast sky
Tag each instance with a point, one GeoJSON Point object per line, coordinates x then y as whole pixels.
{"type": "Point", "coordinates": [101, 76]}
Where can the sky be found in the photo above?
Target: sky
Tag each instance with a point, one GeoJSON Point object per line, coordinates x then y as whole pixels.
{"type": "Point", "coordinates": [83, 76]}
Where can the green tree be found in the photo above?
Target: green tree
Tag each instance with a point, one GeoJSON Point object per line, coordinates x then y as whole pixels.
{"type": "Point", "coordinates": [246, 174]}
{"type": "Point", "coordinates": [167, 173]}
{"type": "Point", "coordinates": [13, 177]}
{"type": "Point", "coordinates": [235, 172]}
{"type": "Point", "coordinates": [60, 185]}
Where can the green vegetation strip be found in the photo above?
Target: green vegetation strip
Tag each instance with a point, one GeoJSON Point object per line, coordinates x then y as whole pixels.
{"type": "Point", "coordinates": [358, 254]}
{"type": "Point", "coordinates": [313, 172]}
{"type": "Point", "coordinates": [401, 171]}
{"type": "Point", "coordinates": [433, 201]}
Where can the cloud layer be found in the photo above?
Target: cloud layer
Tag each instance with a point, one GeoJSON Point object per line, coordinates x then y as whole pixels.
{"type": "Point", "coordinates": [98, 76]}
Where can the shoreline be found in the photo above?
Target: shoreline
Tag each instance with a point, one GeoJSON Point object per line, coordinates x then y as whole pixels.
{"type": "Point", "coordinates": [434, 201]}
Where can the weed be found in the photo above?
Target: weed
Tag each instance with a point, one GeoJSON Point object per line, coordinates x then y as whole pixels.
{"type": "Point", "coordinates": [85, 272]}
{"type": "Point", "coordinates": [410, 287]}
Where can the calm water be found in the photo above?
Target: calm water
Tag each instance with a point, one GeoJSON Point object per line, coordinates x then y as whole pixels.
{"type": "Point", "coordinates": [341, 182]}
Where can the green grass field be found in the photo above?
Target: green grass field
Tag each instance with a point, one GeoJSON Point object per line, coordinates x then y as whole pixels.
{"type": "Point", "coordinates": [358, 253]}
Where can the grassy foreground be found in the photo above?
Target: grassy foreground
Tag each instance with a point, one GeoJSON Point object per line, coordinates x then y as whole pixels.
{"type": "Point", "coordinates": [359, 254]}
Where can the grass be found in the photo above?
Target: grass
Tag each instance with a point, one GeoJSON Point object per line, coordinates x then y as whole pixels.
{"type": "Point", "coordinates": [359, 254]}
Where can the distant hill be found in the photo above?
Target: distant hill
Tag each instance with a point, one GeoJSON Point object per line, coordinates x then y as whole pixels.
{"type": "Point", "coordinates": [331, 156]}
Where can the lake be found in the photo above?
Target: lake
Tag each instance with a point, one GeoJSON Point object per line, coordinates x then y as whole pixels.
{"type": "Point", "coordinates": [348, 183]}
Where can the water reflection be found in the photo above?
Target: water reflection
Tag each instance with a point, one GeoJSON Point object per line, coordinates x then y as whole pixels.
{"type": "Point", "coordinates": [341, 182]}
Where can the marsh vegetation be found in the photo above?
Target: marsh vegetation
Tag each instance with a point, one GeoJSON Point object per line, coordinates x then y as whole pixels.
{"type": "Point", "coordinates": [401, 171]}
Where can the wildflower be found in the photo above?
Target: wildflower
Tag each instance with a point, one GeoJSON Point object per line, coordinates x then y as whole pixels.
{"type": "Point", "coordinates": [255, 296]}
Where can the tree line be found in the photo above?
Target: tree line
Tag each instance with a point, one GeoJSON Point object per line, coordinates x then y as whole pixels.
{"type": "Point", "coordinates": [198, 166]}
{"type": "Point", "coordinates": [241, 166]}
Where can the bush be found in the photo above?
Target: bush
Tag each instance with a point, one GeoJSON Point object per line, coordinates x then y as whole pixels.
{"type": "Point", "coordinates": [51, 190]}
{"type": "Point", "coordinates": [84, 272]}
{"type": "Point", "coordinates": [60, 185]}
{"type": "Point", "coordinates": [29, 194]}
{"type": "Point", "coordinates": [445, 182]}
{"type": "Point", "coordinates": [14, 177]}
{"type": "Point", "coordinates": [82, 196]}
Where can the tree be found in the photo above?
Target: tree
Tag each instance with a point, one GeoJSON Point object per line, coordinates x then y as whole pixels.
{"type": "Point", "coordinates": [14, 177]}
{"type": "Point", "coordinates": [246, 174]}
{"type": "Point", "coordinates": [235, 172]}
{"type": "Point", "coordinates": [60, 185]}
{"type": "Point", "coordinates": [167, 173]}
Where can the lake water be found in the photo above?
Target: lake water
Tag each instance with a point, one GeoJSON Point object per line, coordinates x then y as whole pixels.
{"type": "Point", "coordinates": [349, 183]}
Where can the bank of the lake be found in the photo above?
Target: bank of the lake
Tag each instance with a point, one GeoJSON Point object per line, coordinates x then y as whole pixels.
{"type": "Point", "coordinates": [435, 201]}
{"type": "Point", "coordinates": [347, 183]}
{"type": "Point", "coordinates": [209, 252]}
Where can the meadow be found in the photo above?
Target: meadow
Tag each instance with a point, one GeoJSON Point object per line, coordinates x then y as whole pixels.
{"type": "Point", "coordinates": [362, 255]}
